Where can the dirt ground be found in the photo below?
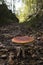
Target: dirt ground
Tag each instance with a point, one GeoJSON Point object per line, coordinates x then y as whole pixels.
{"type": "Point", "coordinates": [8, 53]}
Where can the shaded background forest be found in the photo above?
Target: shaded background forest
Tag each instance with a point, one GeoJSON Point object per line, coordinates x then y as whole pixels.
{"type": "Point", "coordinates": [36, 20]}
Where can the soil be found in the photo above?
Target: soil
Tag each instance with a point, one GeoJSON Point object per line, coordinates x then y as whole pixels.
{"type": "Point", "coordinates": [28, 55]}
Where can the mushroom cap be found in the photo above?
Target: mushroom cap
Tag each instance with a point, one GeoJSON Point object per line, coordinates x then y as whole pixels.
{"type": "Point", "coordinates": [22, 39]}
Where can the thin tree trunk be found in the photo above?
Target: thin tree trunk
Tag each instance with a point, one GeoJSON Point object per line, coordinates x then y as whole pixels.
{"type": "Point", "coordinates": [12, 5]}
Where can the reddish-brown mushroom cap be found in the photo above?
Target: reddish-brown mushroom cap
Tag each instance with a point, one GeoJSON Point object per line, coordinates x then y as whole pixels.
{"type": "Point", "coordinates": [22, 39]}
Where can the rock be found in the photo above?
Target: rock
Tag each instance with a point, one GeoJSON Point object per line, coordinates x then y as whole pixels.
{"type": "Point", "coordinates": [38, 38]}
{"type": "Point", "coordinates": [1, 45]}
{"type": "Point", "coordinates": [3, 50]}
{"type": "Point", "coordinates": [41, 58]}
{"type": "Point", "coordinates": [4, 56]}
{"type": "Point", "coordinates": [34, 55]}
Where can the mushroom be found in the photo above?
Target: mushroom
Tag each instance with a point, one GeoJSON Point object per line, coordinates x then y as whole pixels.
{"type": "Point", "coordinates": [22, 39]}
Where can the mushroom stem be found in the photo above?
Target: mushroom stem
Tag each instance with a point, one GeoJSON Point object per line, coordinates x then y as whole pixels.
{"type": "Point", "coordinates": [18, 51]}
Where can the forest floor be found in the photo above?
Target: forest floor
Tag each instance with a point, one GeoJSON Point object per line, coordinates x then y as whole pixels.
{"type": "Point", "coordinates": [35, 55]}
